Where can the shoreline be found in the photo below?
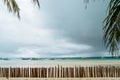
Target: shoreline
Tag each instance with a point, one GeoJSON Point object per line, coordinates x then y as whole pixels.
{"type": "Point", "coordinates": [60, 70]}
{"type": "Point", "coordinates": [52, 64]}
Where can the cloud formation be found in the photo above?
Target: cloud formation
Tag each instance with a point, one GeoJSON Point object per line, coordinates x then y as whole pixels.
{"type": "Point", "coordinates": [67, 30]}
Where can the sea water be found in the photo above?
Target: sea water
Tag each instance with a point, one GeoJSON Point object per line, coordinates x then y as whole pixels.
{"type": "Point", "coordinates": [68, 59]}
{"type": "Point", "coordinates": [36, 62]}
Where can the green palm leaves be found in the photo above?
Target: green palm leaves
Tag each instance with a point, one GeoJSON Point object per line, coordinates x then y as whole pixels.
{"type": "Point", "coordinates": [112, 27]}
{"type": "Point", "coordinates": [13, 7]}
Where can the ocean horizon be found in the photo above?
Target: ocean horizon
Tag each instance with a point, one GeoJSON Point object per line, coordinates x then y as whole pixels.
{"type": "Point", "coordinates": [61, 59]}
{"type": "Point", "coordinates": [64, 61]}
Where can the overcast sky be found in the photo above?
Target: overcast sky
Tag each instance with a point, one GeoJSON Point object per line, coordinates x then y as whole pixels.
{"type": "Point", "coordinates": [60, 28]}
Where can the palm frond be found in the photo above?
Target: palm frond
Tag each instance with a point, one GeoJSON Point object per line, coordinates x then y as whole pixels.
{"type": "Point", "coordinates": [36, 2]}
{"type": "Point", "coordinates": [12, 6]}
{"type": "Point", "coordinates": [112, 27]}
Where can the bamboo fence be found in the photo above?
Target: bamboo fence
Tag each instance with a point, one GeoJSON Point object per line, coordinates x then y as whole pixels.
{"type": "Point", "coordinates": [60, 72]}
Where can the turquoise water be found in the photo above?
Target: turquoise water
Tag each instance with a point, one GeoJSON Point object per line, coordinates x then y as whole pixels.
{"type": "Point", "coordinates": [61, 59]}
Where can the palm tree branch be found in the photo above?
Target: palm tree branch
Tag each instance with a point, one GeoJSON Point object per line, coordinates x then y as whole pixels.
{"type": "Point", "coordinates": [13, 7]}
{"type": "Point", "coordinates": [112, 27]}
{"type": "Point", "coordinates": [36, 2]}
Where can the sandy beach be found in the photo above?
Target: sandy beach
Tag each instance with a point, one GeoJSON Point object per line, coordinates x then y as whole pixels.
{"type": "Point", "coordinates": [53, 64]}
{"type": "Point", "coordinates": [36, 64]}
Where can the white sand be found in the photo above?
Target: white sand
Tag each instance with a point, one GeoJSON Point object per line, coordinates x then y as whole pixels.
{"type": "Point", "coordinates": [64, 64]}
{"type": "Point", "coordinates": [52, 64]}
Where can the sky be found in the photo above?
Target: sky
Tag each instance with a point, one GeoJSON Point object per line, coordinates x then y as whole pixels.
{"type": "Point", "coordinates": [60, 28]}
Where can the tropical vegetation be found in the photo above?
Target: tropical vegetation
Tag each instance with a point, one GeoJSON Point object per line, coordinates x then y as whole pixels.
{"type": "Point", "coordinates": [111, 28]}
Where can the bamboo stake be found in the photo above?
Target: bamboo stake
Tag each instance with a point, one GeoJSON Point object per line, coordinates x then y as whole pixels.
{"type": "Point", "coordinates": [61, 72]}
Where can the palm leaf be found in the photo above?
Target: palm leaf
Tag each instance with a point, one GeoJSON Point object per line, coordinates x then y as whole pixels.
{"type": "Point", "coordinates": [13, 7]}
{"type": "Point", "coordinates": [112, 27]}
{"type": "Point", "coordinates": [36, 2]}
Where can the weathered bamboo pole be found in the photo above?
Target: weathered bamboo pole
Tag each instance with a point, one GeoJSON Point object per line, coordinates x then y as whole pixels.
{"type": "Point", "coordinates": [93, 70]}
{"type": "Point", "coordinates": [76, 72]}
{"type": "Point", "coordinates": [61, 72]}
{"type": "Point", "coordinates": [52, 72]}
{"type": "Point", "coordinates": [117, 68]}
{"type": "Point", "coordinates": [118, 72]}
{"type": "Point", "coordinates": [72, 72]}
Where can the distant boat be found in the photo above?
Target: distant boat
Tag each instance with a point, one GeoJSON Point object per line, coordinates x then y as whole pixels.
{"type": "Point", "coordinates": [25, 58]}
{"type": "Point", "coordinates": [36, 58]}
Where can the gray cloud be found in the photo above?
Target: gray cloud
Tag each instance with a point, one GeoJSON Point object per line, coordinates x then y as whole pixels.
{"type": "Point", "coordinates": [61, 28]}
{"type": "Point", "coordinates": [80, 25]}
